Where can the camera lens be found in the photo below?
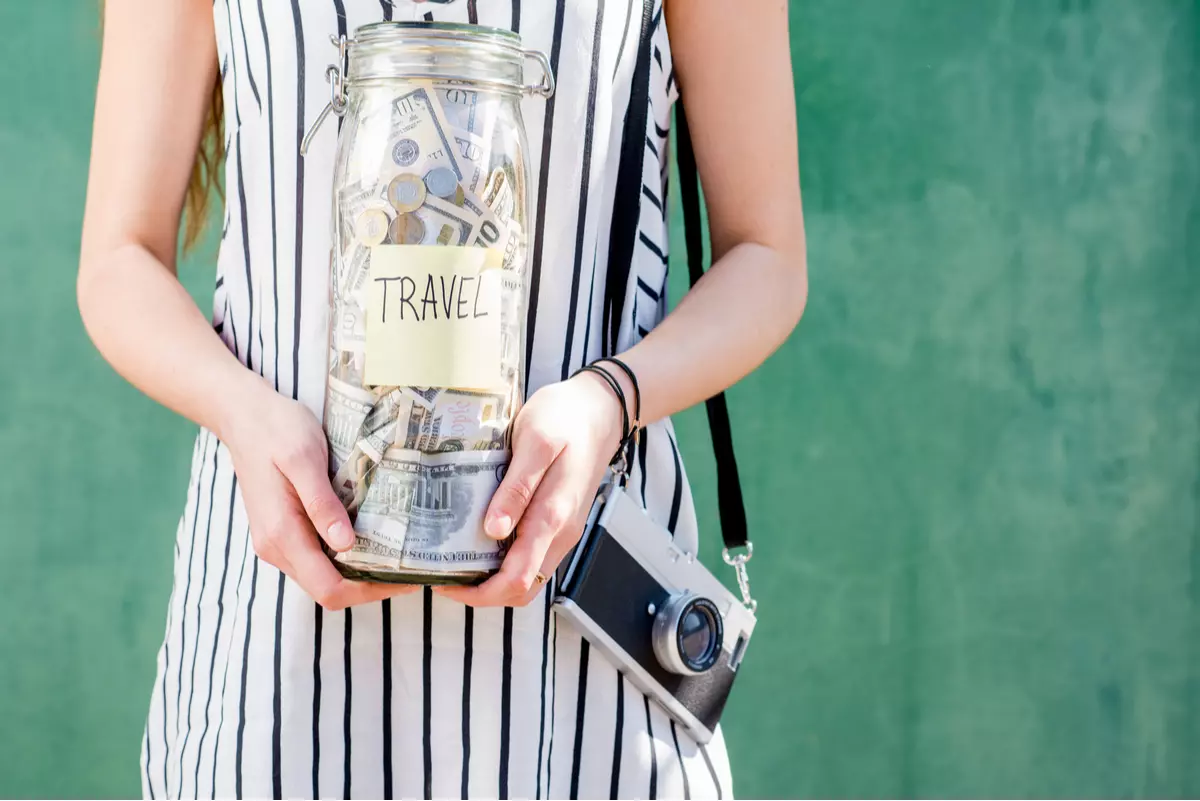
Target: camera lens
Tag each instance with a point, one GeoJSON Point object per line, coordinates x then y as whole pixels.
{"type": "Point", "coordinates": [687, 634]}
{"type": "Point", "coordinates": [696, 635]}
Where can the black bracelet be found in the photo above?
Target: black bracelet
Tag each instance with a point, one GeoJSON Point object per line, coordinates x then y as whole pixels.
{"type": "Point", "coordinates": [632, 430]}
{"type": "Point", "coordinates": [615, 386]}
{"type": "Point", "coordinates": [637, 391]}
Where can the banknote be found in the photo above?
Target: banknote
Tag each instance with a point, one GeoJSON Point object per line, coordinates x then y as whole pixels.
{"type": "Point", "coordinates": [445, 223]}
{"type": "Point", "coordinates": [474, 155]}
{"type": "Point", "coordinates": [421, 136]}
{"type": "Point", "coordinates": [346, 407]}
{"type": "Point", "coordinates": [460, 420]}
{"type": "Point", "coordinates": [428, 508]}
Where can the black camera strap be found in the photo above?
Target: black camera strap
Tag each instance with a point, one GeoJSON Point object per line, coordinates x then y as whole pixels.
{"type": "Point", "coordinates": [730, 504]}
{"type": "Point", "coordinates": [731, 507]}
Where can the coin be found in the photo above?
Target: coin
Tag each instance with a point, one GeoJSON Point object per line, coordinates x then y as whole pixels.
{"type": "Point", "coordinates": [441, 181]}
{"type": "Point", "coordinates": [405, 152]}
{"type": "Point", "coordinates": [407, 229]}
{"type": "Point", "coordinates": [371, 227]}
{"type": "Point", "coordinates": [406, 192]}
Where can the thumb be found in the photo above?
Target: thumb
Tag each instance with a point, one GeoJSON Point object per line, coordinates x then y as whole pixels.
{"type": "Point", "coordinates": [321, 504]}
{"type": "Point", "coordinates": [532, 456]}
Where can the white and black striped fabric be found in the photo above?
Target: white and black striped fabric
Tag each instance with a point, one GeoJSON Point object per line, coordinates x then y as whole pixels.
{"type": "Point", "coordinates": [261, 693]}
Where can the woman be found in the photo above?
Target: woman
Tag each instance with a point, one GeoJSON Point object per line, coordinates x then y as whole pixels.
{"type": "Point", "coordinates": [276, 676]}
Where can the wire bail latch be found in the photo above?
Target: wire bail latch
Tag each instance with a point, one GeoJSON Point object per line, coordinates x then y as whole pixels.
{"type": "Point", "coordinates": [335, 76]}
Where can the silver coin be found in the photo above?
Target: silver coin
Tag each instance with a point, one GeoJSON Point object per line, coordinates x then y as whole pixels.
{"type": "Point", "coordinates": [442, 182]}
{"type": "Point", "coordinates": [406, 152]}
{"type": "Point", "coordinates": [406, 192]}
{"type": "Point", "coordinates": [407, 229]}
{"type": "Point", "coordinates": [371, 227]}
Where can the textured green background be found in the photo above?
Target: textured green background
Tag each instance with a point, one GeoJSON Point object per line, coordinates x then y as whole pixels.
{"type": "Point", "coordinates": [973, 474]}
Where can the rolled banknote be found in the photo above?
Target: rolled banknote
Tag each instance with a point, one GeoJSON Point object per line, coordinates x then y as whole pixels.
{"type": "Point", "coordinates": [428, 509]}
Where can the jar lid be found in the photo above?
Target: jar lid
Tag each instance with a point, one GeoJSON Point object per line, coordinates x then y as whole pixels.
{"type": "Point", "coordinates": [452, 52]}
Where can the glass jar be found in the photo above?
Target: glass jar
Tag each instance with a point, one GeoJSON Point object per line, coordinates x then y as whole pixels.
{"type": "Point", "coordinates": [428, 287]}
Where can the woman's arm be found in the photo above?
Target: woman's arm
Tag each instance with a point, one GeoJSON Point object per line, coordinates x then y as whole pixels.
{"type": "Point", "coordinates": [156, 77]}
{"type": "Point", "coordinates": [734, 70]}
{"type": "Point", "coordinates": [733, 65]}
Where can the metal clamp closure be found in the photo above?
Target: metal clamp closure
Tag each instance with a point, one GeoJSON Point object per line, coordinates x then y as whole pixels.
{"type": "Point", "coordinates": [545, 87]}
{"type": "Point", "coordinates": [738, 563]}
{"type": "Point", "coordinates": [335, 76]}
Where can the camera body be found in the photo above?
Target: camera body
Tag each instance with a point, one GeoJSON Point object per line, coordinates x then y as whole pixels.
{"type": "Point", "coordinates": [656, 612]}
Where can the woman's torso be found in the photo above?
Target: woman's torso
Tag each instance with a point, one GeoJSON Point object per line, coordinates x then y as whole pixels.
{"type": "Point", "coordinates": [259, 691]}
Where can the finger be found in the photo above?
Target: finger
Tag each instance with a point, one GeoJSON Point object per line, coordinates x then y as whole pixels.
{"type": "Point", "coordinates": [553, 511]}
{"type": "Point", "coordinates": [533, 454]}
{"type": "Point", "coordinates": [316, 575]}
{"type": "Point", "coordinates": [547, 519]}
{"type": "Point", "coordinates": [559, 549]}
{"type": "Point", "coordinates": [307, 474]}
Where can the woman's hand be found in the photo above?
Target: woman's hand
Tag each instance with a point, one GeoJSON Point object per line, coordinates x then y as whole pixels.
{"type": "Point", "coordinates": [563, 440]}
{"type": "Point", "coordinates": [281, 459]}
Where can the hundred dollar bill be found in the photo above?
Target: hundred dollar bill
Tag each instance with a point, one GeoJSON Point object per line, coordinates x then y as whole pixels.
{"type": "Point", "coordinates": [350, 331]}
{"type": "Point", "coordinates": [346, 407]}
{"type": "Point", "coordinates": [474, 154]}
{"type": "Point", "coordinates": [348, 366]}
{"type": "Point", "coordinates": [512, 242]}
{"type": "Point", "coordinates": [498, 195]}
{"type": "Point", "coordinates": [428, 509]}
{"type": "Point", "coordinates": [487, 230]}
{"type": "Point", "coordinates": [369, 556]}
{"type": "Point", "coordinates": [512, 305]}
{"type": "Point", "coordinates": [377, 434]}
{"type": "Point", "coordinates": [375, 444]}
{"type": "Point", "coordinates": [470, 112]}
{"type": "Point", "coordinates": [372, 557]}
{"type": "Point", "coordinates": [391, 417]}
{"type": "Point", "coordinates": [445, 223]}
{"type": "Point", "coordinates": [462, 420]}
{"type": "Point", "coordinates": [350, 479]}
{"type": "Point", "coordinates": [420, 136]}
{"type": "Point", "coordinates": [460, 104]}
{"type": "Point", "coordinates": [357, 270]}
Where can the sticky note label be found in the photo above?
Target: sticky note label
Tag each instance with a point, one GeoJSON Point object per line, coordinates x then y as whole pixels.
{"type": "Point", "coordinates": [433, 317]}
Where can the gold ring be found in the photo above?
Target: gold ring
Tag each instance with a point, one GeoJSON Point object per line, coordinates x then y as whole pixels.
{"type": "Point", "coordinates": [541, 578]}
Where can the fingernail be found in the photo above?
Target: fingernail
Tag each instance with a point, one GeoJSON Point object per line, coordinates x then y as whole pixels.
{"type": "Point", "coordinates": [498, 527]}
{"type": "Point", "coordinates": [341, 537]}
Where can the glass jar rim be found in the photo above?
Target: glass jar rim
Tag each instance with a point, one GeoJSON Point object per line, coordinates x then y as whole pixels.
{"type": "Point", "coordinates": [378, 32]}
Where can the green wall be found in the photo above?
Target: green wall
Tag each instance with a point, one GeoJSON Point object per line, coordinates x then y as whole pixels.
{"type": "Point", "coordinates": [973, 473]}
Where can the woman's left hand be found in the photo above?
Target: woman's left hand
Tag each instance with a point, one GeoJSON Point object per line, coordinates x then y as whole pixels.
{"type": "Point", "coordinates": [563, 440]}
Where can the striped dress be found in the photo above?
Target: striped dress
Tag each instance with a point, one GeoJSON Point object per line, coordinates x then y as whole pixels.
{"type": "Point", "coordinates": [259, 692]}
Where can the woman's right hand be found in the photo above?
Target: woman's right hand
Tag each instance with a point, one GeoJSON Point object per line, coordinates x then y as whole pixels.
{"type": "Point", "coordinates": [280, 457]}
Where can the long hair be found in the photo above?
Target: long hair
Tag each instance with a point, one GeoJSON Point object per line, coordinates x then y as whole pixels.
{"type": "Point", "coordinates": [206, 169]}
